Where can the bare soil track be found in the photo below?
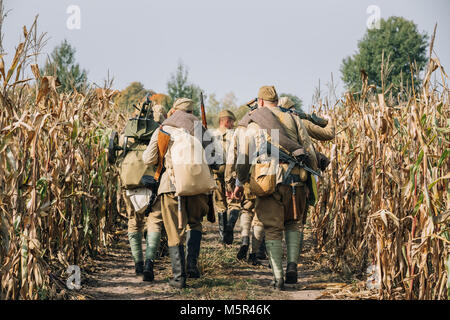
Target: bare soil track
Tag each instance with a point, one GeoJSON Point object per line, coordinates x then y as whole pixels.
{"type": "Point", "coordinates": [112, 276]}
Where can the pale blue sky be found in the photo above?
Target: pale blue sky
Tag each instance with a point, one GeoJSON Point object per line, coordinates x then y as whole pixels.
{"type": "Point", "coordinates": [228, 45]}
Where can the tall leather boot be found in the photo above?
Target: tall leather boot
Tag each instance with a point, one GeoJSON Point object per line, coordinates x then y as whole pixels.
{"type": "Point", "coordinates": [257, 243]}
{"type": "Point", "coordinates": [178, 267]}
{"type": "Point", "coordinates": [275, 252]}
{"type": "Point", "coordinates": [261, 254]}
{"type": "Point", "coordinates": [193, 240]}
{"type": "Point", "coordinates": [153, 239]}
{"type": "Point", "coordinates": [148, 270]}
{"type": "Point", "coordinates": [222, 217]}
{"type": "Point", "coordinates": [229, 228]}
{"type": "Point", "coordinates": [293, 245]}
{"type": "Point", "coordinates": [242, 253]}
{"type": "Point", "coordinates": [135, 239]}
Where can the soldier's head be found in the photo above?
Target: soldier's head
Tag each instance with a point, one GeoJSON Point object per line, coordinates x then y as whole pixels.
{"type": "Point", "coordinates": [226, 119]}
{"type": "Point", "coordinates": [267, 97]}
{"type": "Point", "coordinates": [184, 104]}
{"type": "Point", "coordinates": [286, 103]}
{"type": "Point", "coordinates": [159, 113]}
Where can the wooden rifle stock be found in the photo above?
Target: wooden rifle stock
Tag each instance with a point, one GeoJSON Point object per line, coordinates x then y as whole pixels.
{"type": "Point", "coordinates": [163, 145]}
{"type": "Point", "coordinates": [294, 202]}
{"type": "Point", "coordinates": [202, 107]}
{"type": "Point", "coordinates": [180, 214]}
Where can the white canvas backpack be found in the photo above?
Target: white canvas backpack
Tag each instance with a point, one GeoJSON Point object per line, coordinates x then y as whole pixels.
{"type": "Point", "coordinates": [191, 172]}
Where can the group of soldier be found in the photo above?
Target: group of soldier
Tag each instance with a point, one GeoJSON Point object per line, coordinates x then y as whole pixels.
{"type": "Point", "coordinates": [264, 217]}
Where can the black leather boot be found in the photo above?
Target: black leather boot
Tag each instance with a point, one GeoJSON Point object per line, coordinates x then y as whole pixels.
{"type": "Point", "coordinates": [229, 228]}
{"type": "Point", "coordinates": [242, 253]}
{"type": "Point", "coordinates": [148, 270]}
{"type": "Point", "coordinates": [222, 217]}
{"type": "Point", "coordinates": [193, 240]}
{"type": "Point", "coordinates": [178, 267]}
{"type": "Point", "coordinates": [291, 273]}
{"type": "Point", "coordinates": [139, 267]}
{"type": "Point", "coordinates": [261, 254]}
{"type": "Point", "coordinates": [253, 259]}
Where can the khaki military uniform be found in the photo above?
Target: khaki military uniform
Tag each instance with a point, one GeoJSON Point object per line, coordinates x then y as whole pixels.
{"type": "Point", "coordinates": [137, 222]}
{"type": "Point", "coordinates": [221, 203]}
{"type": "Point", "coordinates": [319, 133]}
{"type": "Point", "coordinates": [315, 132]}
{"type": "Point", "coordinates": [194, 208]}
{"type": "Point", "coordinates": [248, 216]}
{"type": "Point", "coordinates": [275, 211]}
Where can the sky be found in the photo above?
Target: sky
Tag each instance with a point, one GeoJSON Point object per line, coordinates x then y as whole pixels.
{"type": "Point", "coordinates": [228, 46]}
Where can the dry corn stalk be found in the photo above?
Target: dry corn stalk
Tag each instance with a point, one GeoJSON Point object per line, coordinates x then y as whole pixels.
{"type": "Point", "coordinates": [57, 192]}
{"type": "Point", "coordinates": [386, 198]}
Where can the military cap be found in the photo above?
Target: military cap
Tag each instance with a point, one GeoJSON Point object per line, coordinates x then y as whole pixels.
{"type": "Point", "coordinates": [227, 113]}
{"type": "Point", "coordinates": [184, 104]}
{"type": "Point", "coordinates": [285, 102]}
{"type": "Point", "coordinates": [268, 93]}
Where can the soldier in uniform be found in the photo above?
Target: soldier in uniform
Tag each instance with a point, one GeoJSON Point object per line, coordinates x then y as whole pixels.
{"type": "Point", "coordinates": [137, 223]}
{"type": "Point", "coordinates": [250, 225]}
{"type": "Point", "coordinates": [227, 208]}
{"type": "Point", "coordinates": [193, 208]}
{"type": "Point", "coordinates": [277, 209]}
{"type": "Point", "coordinates": [316, 132]}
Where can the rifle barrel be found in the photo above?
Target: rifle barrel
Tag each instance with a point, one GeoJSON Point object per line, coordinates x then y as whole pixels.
{"type": "Point", "coordinates": [249, 104]}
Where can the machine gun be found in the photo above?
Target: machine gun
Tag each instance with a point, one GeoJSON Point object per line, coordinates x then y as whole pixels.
{"type": "Point", "coordinates": [139, 128]}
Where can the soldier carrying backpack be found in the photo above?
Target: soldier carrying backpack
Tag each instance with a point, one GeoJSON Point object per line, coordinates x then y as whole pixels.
{"type": "Point", "coordinates": [185, 186]}
{"type": "Point", "coordinates": [142, 205]}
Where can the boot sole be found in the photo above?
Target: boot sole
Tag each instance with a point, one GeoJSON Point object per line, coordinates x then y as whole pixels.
{"type": "Point", "coordinates": [193, 274]}
{"type": "Point", "coordinates": [291, 278]}
{"type": "Point", "coordinates": [242, 253]}
{"type": "Point", "coordinates": [148, 277]}
{"type": "Point", "coordinates": [177, 286]}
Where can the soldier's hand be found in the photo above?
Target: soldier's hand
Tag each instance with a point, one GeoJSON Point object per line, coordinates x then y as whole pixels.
{"type": "Point", "coordinates": [229, 194]}
{"type": "Point", "coordinates": [238, 192]}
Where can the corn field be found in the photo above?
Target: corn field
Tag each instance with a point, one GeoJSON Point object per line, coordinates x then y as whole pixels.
{"type": "Point", "coordinates": [386, 199]}
{"type": "Point", "coordinates": [57, 193]}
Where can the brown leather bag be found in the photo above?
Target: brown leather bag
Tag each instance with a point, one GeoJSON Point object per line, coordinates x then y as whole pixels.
{"type": "Point", "coordinates": [263, 180]}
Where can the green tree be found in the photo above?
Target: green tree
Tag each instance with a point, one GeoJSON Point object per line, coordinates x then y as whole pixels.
{"type": "Point", "coordinates": [241, 112]}
{"type": "Point", "coordinates": [214, 106]}
{"type": "Point", "coordinates": [212, 110]}
{"type": "Point", "coordinates": [179, 87]}
{"type": "Point", "coordinates": [62, 65]}
{"type": "Point", "coordinates": [297, 101]}
{"type": "Point", "coordinates": [397, 43]}
{"type": "Point", "coordinates": [132, 94]}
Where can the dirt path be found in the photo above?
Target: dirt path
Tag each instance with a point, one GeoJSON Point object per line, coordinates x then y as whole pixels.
{"type": "Point", "coordinates": [223, 276]}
